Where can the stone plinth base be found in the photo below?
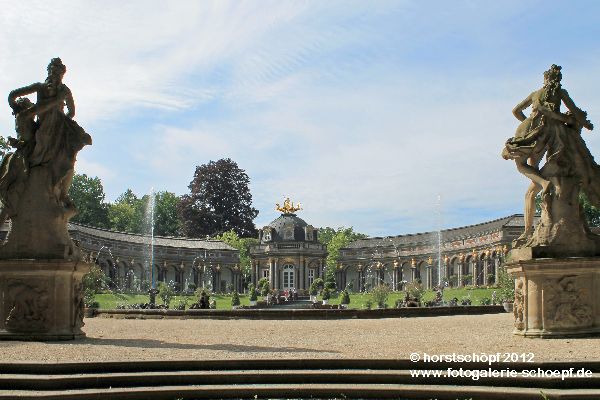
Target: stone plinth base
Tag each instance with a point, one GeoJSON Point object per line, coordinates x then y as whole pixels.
{"type": "Point", "coordinates": [556, 297]}
{"type": "Point", "coordinates": [41, 299]}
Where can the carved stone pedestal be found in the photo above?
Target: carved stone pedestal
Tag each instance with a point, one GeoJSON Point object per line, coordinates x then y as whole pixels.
{"type": "Point", "coordinates": [556, 297]}
{"type": "Point", "coordinates": [41, 299]}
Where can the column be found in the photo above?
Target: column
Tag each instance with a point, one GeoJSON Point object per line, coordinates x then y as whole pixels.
{"type": "Point", "coordinates": [485, 270]}
{"type": "Point", "coordinates": [460, 273]}
{"type": "Point", "coordinates": [301, 279]}
{"type": "Point", "coordinates": [496, 269]}
{"type": "Point", "coordinates": [271, 272]}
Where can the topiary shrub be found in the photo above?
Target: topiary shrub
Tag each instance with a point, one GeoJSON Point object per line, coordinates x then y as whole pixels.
{"type": "Point", "coordinates": [253, 295]}
{"type": "Point", "coordinates": [235, 299]}
{"type": "Point", "coordinates": [326, 294]}
{"type": "Point", "coordinates": [345, 298]}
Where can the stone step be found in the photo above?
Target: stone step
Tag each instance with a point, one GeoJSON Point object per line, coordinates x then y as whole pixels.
{"type": "Point", "coordinates": [281, 378]}
{"type": "Point", "coordinates": [314, 391]}
{"type": "Point", "coordinates": [149, 379]}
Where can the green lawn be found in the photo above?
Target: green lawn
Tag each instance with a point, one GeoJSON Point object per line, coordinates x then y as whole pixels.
{"type": "Point", "coordinates": [357, 300]}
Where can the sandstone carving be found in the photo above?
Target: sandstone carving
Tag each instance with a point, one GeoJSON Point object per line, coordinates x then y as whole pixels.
{"type": "Point", "coordinates": [35, 179]}
{"type": "Point", "coordinates": [519, 304]}
{"type": "Point", "coordinates": [28, 304]}
{"type": "Point", "coordinates": [568, 304]}
{"type": "Point", "coordinates": [569, 169]}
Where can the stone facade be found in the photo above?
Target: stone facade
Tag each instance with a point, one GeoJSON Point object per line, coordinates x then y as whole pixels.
{"type": "Point", "coordinates": [469, 255]}
{"type": "Point", "coordinates": [289, 254]}
{"type": "Point", "coordinates": [125, 259]}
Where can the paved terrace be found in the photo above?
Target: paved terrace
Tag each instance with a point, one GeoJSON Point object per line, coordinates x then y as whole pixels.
{"type": "Point", "coordinates": [124, 339]}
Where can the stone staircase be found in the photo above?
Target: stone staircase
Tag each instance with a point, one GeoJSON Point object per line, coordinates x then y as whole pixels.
{"type": "Point", "coordinates": [285, 379]}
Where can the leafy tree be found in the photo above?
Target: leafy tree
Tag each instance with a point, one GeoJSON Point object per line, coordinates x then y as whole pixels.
{"type": "Point", "coordinates": [335, 240]}
{"type": "Point", "coordinates": [241, 244]}
{"type": "Point", "coordinates": [166, 220]}
{"type": "Point", "coordinates": [87, 194]}
{"type": "Point", "coordinates": [129, 213]}
{"type": "Point", "coordinates": [124, 213]}
{"type": "Point", "coordinates": [219, 201]}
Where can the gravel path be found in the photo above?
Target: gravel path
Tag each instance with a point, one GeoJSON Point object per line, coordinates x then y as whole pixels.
{"type": "Point", "coordinates": [119, 339]}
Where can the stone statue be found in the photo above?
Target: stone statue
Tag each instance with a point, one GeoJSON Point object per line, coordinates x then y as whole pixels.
{"type": "Point", "coordinates": [41, 268]}
{"type": "Point", "coordinates": [35, 179]}
{"type": "Point", "coordinates": [569, 168]}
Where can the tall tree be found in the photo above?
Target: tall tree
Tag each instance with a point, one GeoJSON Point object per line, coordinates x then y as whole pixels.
{"type": "Point", "coordinates": [88, 195]}
{"type": "Point", "coordinates": [219, 201]}
{"type": "Point", "coordinates": [166, 220]}
{"type": "Point", "coordinates": [131, 214]}
{"type": "Point", "coordinates": [243, 245]}
{"type": "Point", "coordinates": [335, 239]}
{"type": "Point", "coordinates": [124, 213]}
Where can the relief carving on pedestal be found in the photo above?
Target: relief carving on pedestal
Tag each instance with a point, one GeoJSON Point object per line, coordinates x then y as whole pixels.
{"type": "Point", "coordinates": [78, 300]}
{"type": "Point", "coordinates": [28, 304]}
{"type": "Point", "coordinates": [519, 304]}
{"type": "Point", "coordinates": [567, 303]}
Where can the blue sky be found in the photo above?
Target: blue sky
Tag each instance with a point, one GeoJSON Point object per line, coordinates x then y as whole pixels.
{"type": "Point", "coordinates": [364, 111]}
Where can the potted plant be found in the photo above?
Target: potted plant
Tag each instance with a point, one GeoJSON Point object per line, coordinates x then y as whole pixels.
{"type": "Point", "coordinates": [345, 299]}
{"type": "Point", "coordinates": [326, 295]}
{"type": "Point", "coordinates": [253, 296]}
{"type": "Point", "coordinates": [235, 300]}
{"type": "Point", "coordinates": [313, 291]}
{"type": "Point", "coordinates": [506, 285]}
{"type": "Point", "coordinates": [264, 291]}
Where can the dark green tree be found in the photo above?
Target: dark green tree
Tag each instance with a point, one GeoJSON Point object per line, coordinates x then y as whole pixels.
{"type": "Point", "coordinates": [219, 201]}
{"type": "Point", "coordinates": [88, 196]}
{"type": "Point", "coordinates": [166, 220]}
{"type": "Point", "coordinates": [243, 245]}
{"type": "Point", "coordinates": [335, 239]}
{"type": "Point", "coordinates": [131, 214]}
{"type": "Point", "coordinates": [125, 213]}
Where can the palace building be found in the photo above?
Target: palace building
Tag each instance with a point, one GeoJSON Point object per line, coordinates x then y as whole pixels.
{"type": "Point", "coordinates": [290, 256]}
{"type": "Point", "coordinates": [469, 255]}
{"type": "Point", "coordinates": [289, 253]}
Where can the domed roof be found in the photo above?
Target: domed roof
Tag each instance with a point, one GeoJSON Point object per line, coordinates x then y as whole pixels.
{"type": "Point", "coordinates": [287, 227]}
{"type": "Point", "coordinates": [287, 219]}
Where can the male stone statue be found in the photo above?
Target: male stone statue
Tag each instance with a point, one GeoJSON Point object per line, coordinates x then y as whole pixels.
{"type": "Point", "coordinates": [41, 269]}
{"type": "Point", "coordinates": [569, 167]}
{"type": "Point", "coordinates": [35, 179]}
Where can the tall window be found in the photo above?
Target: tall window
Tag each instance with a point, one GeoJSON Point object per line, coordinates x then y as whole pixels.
{"type": "Point", "coordinates": [311, 276]}
{"type": "Point", "coordinates": [288, 276]}
{"type": "Point", "coordinates": [265, 273]}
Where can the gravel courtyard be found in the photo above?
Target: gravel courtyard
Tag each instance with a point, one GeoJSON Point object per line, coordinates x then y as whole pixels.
{"type": "Point", "coordinates": [120, 339]}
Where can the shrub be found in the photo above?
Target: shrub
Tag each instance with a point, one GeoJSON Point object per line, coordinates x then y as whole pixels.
{"type": "Point", "coordinates": [506, 284]}
{"type": "Point", "coordinates": [486, 301]}
{"type": "Point", "coordinates": [166, 292]}
{"type": "Point", "coordinates": [95, 280]}
{"type": "Point", "coordinates": [319, 283]}
{"type": "Point", "coordinates": [326, 294]}
{"type": "Point", "coordinates": [313, 290]}
{"type": "Point", "coordinates": [235, 299]}
{"type": "Point", "coordinates": [380, 294]}
{"type": "Point", "coordinates": [415, 290]}
{"type": "Point", "coordinates": [345, 298]}
{"type": "Point", "coordinates": [192, 287]}
{"type": "Point", "coordinates": [253, 296]}
{"type": "Point", "coordinates": [262, 282]}
{"type": "Point", "coordinates": [181, 304]}
{"type": "Point", "coordinates": [264, 291]}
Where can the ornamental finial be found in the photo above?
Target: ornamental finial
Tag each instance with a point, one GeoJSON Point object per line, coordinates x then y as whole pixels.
{"type": "Point", "coordinates": [288, 206]}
